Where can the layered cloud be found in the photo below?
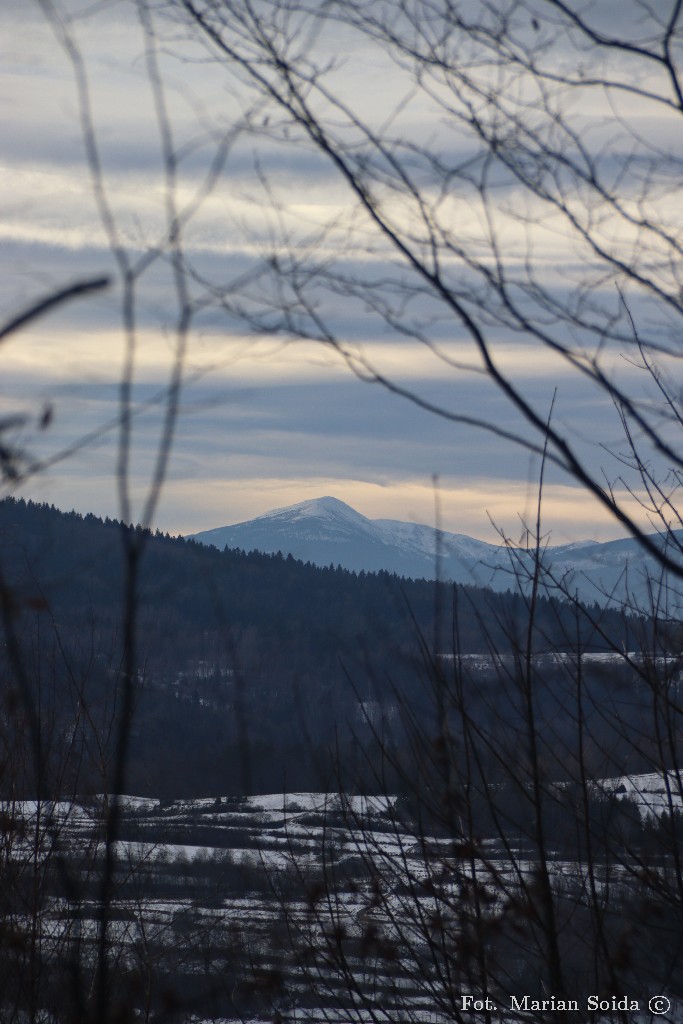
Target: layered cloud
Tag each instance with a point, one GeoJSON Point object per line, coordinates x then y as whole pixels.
{"type": "Point", "coordinates": [265, 420]}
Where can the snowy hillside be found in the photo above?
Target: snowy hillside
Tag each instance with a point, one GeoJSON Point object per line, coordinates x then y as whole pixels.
{"type": "Point", "coordinates": [326, 530]}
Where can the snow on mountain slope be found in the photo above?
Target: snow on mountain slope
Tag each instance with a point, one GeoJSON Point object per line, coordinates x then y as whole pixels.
{"type": "Point", "coordinates": [327, 530]}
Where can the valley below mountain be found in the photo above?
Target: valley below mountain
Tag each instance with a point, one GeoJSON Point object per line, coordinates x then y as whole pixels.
{"type": "Point", "coordinates": [263, 908]}
{"type": "Point", "coordinates": [357, 794]}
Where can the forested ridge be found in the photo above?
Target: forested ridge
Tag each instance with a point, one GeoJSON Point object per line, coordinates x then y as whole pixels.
{"type": "Point", "coordinates": [75, 563]}
{"type": "Point", "coordinates": [254, 670]}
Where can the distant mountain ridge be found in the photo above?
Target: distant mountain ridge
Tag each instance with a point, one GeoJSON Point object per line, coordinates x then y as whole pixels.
{"type": "Point", "coordinates": [326, 530]}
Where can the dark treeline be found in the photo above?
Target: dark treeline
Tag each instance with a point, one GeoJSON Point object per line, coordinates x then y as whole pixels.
{"type": "Point", "coordinates": [256, 672]}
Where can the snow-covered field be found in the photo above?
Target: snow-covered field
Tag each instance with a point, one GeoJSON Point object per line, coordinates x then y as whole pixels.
{"type": "Point", "coordinates": [655, 793]}
{"type": "Point", "coordinates": [279, 886]}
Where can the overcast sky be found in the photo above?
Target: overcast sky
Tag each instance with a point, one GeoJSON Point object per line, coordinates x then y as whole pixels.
{"type": "Point", "coordinates": [263, 421]}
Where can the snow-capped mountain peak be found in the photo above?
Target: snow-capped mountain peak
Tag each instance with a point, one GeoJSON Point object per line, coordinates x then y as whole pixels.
{"type": "Point", "coordinates": [326, 530]}
{"type": "Point", "coordinates": [325, 508]}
